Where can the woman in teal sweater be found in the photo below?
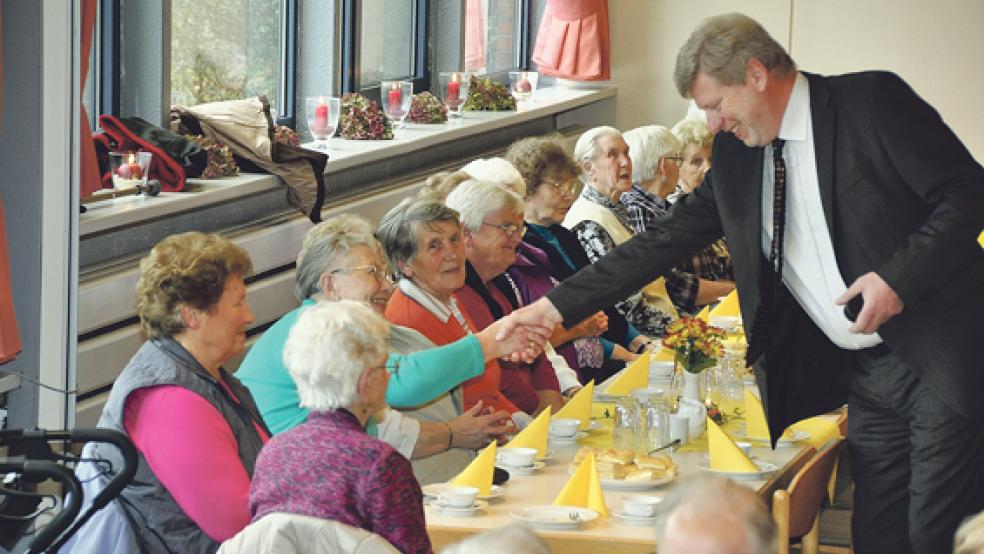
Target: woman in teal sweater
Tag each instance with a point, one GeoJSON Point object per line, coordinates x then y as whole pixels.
{"type": "Point", "coordinates": [340, 260]}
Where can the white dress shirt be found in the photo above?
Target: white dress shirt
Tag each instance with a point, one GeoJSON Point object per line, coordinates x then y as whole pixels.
{"type": "Point", "coordinates": [810, 269]}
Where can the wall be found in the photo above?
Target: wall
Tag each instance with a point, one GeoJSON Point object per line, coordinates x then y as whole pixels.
{"type": "Point", "coordinates": [929, 47]}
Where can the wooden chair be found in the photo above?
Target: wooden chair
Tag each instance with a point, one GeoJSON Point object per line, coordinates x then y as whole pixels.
{"type": "Point", "coordinates": [796, 509]}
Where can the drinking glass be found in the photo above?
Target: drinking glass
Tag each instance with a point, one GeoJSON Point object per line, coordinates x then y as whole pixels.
{"type": "Point", "coordinates": [396, 96]}
{"type": "Point", "coordinates": [625, 430]}
{"type": "Point", "coordinates": [322, 118]}
{"type": "Point", "coordinates": [453, 91]}
{"type": "Point", "coordinates": [654, 423]}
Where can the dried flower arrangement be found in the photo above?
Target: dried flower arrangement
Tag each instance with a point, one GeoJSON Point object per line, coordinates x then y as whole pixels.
{"type": "Point", "coordinates": [426, 108]}
{"type": "Point", "coordinates": [220, 162]}
{"type": "Point", "coordinates": [487, 95]}
{"type": "Point", "coordinates": [363, 119]}
{"type": "Point", "coordinates": [286, 135]}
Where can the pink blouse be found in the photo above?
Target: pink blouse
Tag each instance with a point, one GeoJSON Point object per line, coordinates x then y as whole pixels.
{"type": "Point", "coordinates": [192, 450]}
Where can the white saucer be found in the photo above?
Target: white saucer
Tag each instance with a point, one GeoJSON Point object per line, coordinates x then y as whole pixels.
{"type": "Point", "coordinates": [566, 440]}
{"type": "Point", "coordinates": [635, 520]}
{"type": "Point", "coordinates": [522, 470]}
{"type": "Point", "coordinates": [623, 485]}
{"type": "Point", "coordinates": [555, 517]}
{"type": "Point", "coordinates": [796, 437]}
{"type": "Point", "coordinates": [457, 512]}
{"type": "Point", "coordinates": [765, 469]}
{"type": "Point", "coordinates": [434, 490]}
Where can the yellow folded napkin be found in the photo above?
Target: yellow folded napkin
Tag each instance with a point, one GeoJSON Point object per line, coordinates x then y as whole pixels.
{"type": "Point", "coordinates": [636, 376]}
{"type": "Point", "coordinates": [980, 239]}
{"type": "Point", "coordinates": [583, 489]}
{"type": "Point", "coordinates": [535, 435]}
{"type": "Point", "coordinates": [725, 454]}
{"type": "Point", "coordinates": [703, 314]}
{"type": "Point", "coordinates": [821, 430]}
{"type": "Point", "coordinates": [479, 472]}
{"type": "Point", "coordinates": [728, 306]}
{"type": "Point", "coordinates": [756, 426]}
{"type": "Point", "coordinates": [579, 407]}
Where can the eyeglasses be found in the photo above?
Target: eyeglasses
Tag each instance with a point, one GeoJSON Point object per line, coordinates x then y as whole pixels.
{"type": "Point", "coordinates": [677, 159]}
{"type": "Point", "coordinates": [379, 274]}
{"type": "Point", "coordinates": [568, 189]}
{"type": "Point", "coordinates": [510, 229]}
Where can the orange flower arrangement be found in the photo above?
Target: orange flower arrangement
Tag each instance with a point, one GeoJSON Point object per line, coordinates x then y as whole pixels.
{"type": "Point", "coordinates": [697, 344]}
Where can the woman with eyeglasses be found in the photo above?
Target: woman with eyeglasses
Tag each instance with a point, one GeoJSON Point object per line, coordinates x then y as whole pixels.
{"type": "Point", "coordinates": [656, 161]}
{"type": "Point", "coordinates": [552, 185]}
{"type": "Point", "coordinates": [601, 223]}
{"type": "Point", "coordinates": [341, 260]}
{"type": "Point", "coordinates": [492, 229]}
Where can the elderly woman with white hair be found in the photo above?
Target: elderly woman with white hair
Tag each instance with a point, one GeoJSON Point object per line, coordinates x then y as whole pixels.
{"type": "Point", "coordinates": [341, 260]}
{"type": "Point", "coordinates": [656, 158]}
{"type": "Point", "coordinates": [492, 228]}
{"type": "Point", "coordinates": [601, 223]}
{"type": "Point", "coordinates": [328, 467]}
{"type": "Point", "coordinates": [696, 141]}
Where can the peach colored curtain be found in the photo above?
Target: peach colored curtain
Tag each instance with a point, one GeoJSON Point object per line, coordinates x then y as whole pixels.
{"type": "Point", "coordinates": [89, 179]}
{"type": "Point", "coordinates": [573, 41]}
{"type": "Point", "coordinates": [474, 35]}
{"type": "Point", "coordinates": [10, 343]}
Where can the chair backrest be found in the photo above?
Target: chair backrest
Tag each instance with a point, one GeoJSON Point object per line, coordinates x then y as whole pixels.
{"type": "Point", "coordinates": [781, 479]}
{"type": "Point", "coordinates": [807, 489]}
{"type": "Point", "coordinates": [280, 533]}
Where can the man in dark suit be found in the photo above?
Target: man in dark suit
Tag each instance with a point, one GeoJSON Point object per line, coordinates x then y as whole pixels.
{"type": "Point", "coordinates": [830, 189]}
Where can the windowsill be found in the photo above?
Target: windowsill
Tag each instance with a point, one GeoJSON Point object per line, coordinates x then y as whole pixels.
{"type": "Point", "coordinates": [345, 154]}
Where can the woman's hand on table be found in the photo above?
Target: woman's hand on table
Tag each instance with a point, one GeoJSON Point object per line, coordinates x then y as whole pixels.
{"type": "Point", "coordinates": [476, 428]}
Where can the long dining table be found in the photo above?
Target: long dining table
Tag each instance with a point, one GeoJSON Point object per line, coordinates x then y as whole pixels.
{"type": "Point", "coordinates": [610, 535]}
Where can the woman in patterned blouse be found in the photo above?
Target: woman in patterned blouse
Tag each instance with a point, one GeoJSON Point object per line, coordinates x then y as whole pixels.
{"type": "Point", "coordinates": [328, 467]}
{"type": "Point", "coordinates": [601, 223]}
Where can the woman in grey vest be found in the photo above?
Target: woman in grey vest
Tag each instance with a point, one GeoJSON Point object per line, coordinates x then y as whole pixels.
{"type": "Point", "coordinates": [195, 426]}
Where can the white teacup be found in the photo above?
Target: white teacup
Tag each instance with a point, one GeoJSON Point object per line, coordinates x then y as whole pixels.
{"type": "Point", "coordinates": [646, 394]}
{"type": "Point", "coordinates": [641, 505]}
{"type": "Point", "coordinates": [726, 322]}
{"type": "Point", "coordinates": [517, 457]}
{"type": "Point", "coordinates": [745, 447]}
{"type": "Point", "coordinates": [564, 427]}
{"type": "Point", "coordinates": [458, 497]}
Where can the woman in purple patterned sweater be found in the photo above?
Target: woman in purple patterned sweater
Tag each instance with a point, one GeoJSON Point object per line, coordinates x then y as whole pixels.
{"type": "Point", "coordinates": [329, 467]}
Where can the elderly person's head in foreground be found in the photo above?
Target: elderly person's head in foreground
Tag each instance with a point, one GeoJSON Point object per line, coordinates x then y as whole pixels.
{"type": "Point", "coordinates": [514, 539]}
{"type": "Point", "coordinates": [496, 170]}
{"type": "Point", "coordinates": [336, 353]}
{"type": "Point", "coordinates": [341, 260]}
{"type": "Point", "coordinates": [709, 514]}
{"type": "Point", "coordinates": [440, 184]}
{"type": "Point", "coordinates": [422, 239]}
{"type": "Point", "coordinates": [604, 158]}
{"type": "Point", "coordinates": [191, 288]}
{"type": "Point", "coordinates": [970, 536]}
{"type": "Point", "coordinates": [492, 225]}
{"type": "Point", "coordinates": [656, 158]}
{"type": "Point", "coordinates": [697, 140]}
{"type": "Point", "coordinates": [551, 177]}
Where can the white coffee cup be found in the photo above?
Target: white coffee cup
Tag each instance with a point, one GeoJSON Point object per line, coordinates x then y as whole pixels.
{"type": "Point", "coordinates": [728, 323]}
{"type": "Point", "coordinates": [458, 497]}
{"type": "Point", "coordinates": [517, 457]}
{"type": "Point", "coordinates": [680, 428]}
{"type": "Point", "coordinates": [564, 427]}
{"type": "Point", "coordinates": [641, 505]}
{"type": "Point", "coordinates": [745, 447]}
{"type": "Point", "coordinates": [660, 368]}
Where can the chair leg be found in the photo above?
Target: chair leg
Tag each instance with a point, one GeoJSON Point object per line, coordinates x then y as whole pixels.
{"type": "Point", "coordinates": [780, 513]}
{"type": "Point", "coordinates": [811, 540]}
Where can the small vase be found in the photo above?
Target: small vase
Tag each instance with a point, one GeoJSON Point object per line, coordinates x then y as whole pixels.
{"type": "Point", "coordinates": [691, 386]}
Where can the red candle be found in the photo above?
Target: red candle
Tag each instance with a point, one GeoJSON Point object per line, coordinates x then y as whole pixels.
{"type": "Point", "coordinates": [321, 116]}
{"type": "Point", "coordinates": [396, 99]}
{"type": "Point", "coordinates": [454, 90]}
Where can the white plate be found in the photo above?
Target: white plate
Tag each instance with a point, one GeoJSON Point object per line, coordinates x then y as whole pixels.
{"type": "Point", "coordinates": [457, 512]}
{"type": "Point", "coordinates": [635, 520]}
{"type": "Point", "coordinates": [567, 440]}
{"type": "Point", "coordinates": [555, 517]}
{"type": "Point", "coordinates": [623, 485]}
{"type": "Point", "coordinates": [434, 490]}
{"type": "Point", "coordinates": [783, 441]}
{"type": "Point", "coordinates": [765, 469]}
{"type": "Point", "coordinates": [519, 470]}
{"type": "Point", "coordinates": [595, 426]}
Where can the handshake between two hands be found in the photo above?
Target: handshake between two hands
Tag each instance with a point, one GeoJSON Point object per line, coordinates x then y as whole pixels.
{"type": "Point", "coordinates": [522, 334]}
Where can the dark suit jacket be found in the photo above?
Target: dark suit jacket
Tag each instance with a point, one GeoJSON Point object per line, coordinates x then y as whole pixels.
{"type": "Point", "coordinates": [902, 197]}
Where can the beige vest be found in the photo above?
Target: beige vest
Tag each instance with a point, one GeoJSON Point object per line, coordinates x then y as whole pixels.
{"type": "Point", "coordinates": [655, 293]}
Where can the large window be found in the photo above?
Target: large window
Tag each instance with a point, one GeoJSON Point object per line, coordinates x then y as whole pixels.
{"type": "Point", "coordinates": [494, 35]}
{"type": "Point", "coordinates": [383, 40]}
{"type": "Point", "coordinates": [225, 50]}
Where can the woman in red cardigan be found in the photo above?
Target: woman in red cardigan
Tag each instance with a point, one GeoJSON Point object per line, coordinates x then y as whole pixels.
{"type": "Point", "coordinates": [422, 239]}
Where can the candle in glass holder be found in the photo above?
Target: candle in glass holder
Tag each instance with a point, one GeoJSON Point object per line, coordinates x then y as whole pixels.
{"type": "Point", "coordinates": [395, 97]}
{"type": "Point", "coordinates": [321, 115]}
{"type": "Point", "coordinates": [453, 99]}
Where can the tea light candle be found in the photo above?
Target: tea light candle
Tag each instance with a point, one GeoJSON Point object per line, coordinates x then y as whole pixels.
{"type": "Point", "coordinates": [395, 98]}
{"type": "Point", "coordinates": [321, 115]}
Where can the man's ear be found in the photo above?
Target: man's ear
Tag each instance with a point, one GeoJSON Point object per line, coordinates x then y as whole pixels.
{"type": "Point", "coordinates": [756, 74]}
